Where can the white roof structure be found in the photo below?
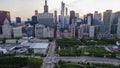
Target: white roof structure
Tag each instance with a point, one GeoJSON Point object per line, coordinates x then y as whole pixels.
{"type": "Point", "coordinates": [3, 50]}
{"type": "Point", "coordinates": [39, 45]}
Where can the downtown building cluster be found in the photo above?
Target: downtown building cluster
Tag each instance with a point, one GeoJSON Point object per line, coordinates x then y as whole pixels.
{"type": "Point", "coordinates": [52, 25]}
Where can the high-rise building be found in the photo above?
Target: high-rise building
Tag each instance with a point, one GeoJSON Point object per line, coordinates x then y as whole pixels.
{"type": "Point", "coordinates": [114, 22]}
{"type": "Point", "coordinates": [62, 22]}
{"type": "Point", "coordinates": [18, 20]}
{"type": "Point", "coordinates": [107, 21]}
{"type": "Point", "coordinates": [91, 31]}
{"type": "Point", "coordinates": [72, 16]}
{"type": "Point", "coordinates": [118, 28]}
{"type": "Point", "coordinates": [90, 19]}
{"type": "Point", "coordinates": [73, 28]}
{"type": "Point", "coordinates": [55, 26]}
{"type": "Point", "coordinates": [7, 29]}
{"type": "Point", "coordinates": [36, 12]}
{"type": "Point", "coordinates": [62, 8]}
{"type": "Point", "coordinates": [45, 18]}
{"type": "Point", "coordinates": [17, 32]}
{"type": "Point", "coordinates": [45, 7]}
{"type": "Point", "coordinates": [42, 31]}
{"type": "Point", "coordinates": [3, 16]}
{"type": "Point", "coordinates": [67, 21]}
{"type": "Point", "coordinates": [30, 30]}
{"type": "Point", "coordinates": [97, 18]}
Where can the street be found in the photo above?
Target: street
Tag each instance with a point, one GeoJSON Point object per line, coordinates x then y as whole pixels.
{"type": "Point", "coordinates": [49, 59]}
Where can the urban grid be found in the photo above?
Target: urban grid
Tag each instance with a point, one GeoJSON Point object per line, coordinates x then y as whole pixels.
{"type": "Point", "coordinates": [65, 40]}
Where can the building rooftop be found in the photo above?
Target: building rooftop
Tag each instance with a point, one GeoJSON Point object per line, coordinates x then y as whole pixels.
{"type": "Point", "coordinates": [39, 45]}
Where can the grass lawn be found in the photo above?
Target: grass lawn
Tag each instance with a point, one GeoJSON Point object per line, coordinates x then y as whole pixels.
{"type": "Point", "coordinates": [86, 51]}
{"type": "Point", "coordinates": [63, 64]}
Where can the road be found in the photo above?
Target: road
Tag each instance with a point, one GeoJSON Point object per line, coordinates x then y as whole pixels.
{"type": "Point", "coordinates": [90, 59]}
{"type": "Point", "coordinates": [48, 61]}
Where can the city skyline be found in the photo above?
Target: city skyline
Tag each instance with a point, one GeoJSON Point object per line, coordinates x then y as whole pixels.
{"type": "Point", "coordinates": [25, 9]}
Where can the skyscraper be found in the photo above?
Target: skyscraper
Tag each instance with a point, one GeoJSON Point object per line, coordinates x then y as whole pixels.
{"type": "Point", "coordinates": [3, 16]}
{"type": "Point", "coordinates": [72, 16]}
{"type": "Point", "coordinates": [7, 29]}
{"type": "Point", "coordinates": [62, 8]}
{"type": "Point", "coordinates": [62, 22]}
{"type": "Point", "coordinates": [106, 21]}
{"type": "Point", "coordinates": [90, 19]}
{"type": "Point", "coordinates": [18, 20]}
{"type": "Point", "coordinates": [45, 7]}
{"type": "Point", "coordinates": [97, 18]}
{"type": "Point", "coordinates": [118, 27]}
{"type": "Point", "coordinates": [36, 12]}
{"type": "Point", "coordinates": [45, 18]}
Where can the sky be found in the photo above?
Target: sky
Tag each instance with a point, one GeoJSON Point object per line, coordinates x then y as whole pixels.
{"type": "Point", "coordinates": [25, 8]}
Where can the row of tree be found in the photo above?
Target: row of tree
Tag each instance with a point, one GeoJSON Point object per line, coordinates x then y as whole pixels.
{"type": "Point", "coordinates": [18, 62]}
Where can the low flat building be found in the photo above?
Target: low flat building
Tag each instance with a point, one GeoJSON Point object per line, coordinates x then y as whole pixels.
{"type": "Point", "coordinates": [39, 48]}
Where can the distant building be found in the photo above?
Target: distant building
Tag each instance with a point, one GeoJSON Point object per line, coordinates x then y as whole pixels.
{"type": "Point", "coordinates": [18, 20]}
{"type": "Point", "coordinates": [17, 32]}
{"type": "Point", "coordinates": [30, 30]}
{"type": "Point", "coordinates": [107, 21]}
{"type": "Point", "coordinates": [7, 29]}
{"type": "Point", "coordinates": [39, 30]}
{"type": "Point", "coordinates": [45, 18]}
{"type": "Point", "coordinates": [39, 48]}
{"type": "Point", "coordinates": [90, 19]}
{"type": "Point", "coordinates": [118, 27]}
{"type": "Point", "coordinates": [97, 18]}
{"type": "Point", "coordinates": [92, 32]}
{"type": "Point", "coordinates": [3, 16]}
{"type": "Point", "coordinates": [72, 16]}
{"type": "Point", "coordinates": [67, 21]}
{"type": "Point", "coordinates": [42, 31]}
{"type": "Point", "coordinates": [72, 28]}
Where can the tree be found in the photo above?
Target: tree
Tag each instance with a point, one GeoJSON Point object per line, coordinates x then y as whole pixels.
{"type": "Point", "coordinates": [34, 62]}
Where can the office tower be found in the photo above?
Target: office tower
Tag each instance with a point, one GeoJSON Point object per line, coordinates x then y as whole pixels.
{"type": "Point", "coordinates": [45, 7]}
{"type": "Point", "coordinates": [83, 31]}
{"type": "Point", "coordinates": [55, 21]}
{"type": "Point", "coordinates": [72, 16]}
{"type": "Point", "coordinates": [62, 16]}
{"type": "Point", "coordinates": [7, 29]}
{"type": "Point", "coordinates": [36, 12]}
{"type": "Point", "coordinates": [92, 31]}
{"type": "Point", "coordinates": [97, 18]}
{"type": "Point", "coordinates": [62, 8]}
{"type": "Point", "coordinates": [106, 21]}
{"type": "Point", "coordinates": [67, 21]}
{"type": "Point", "coordinates": [42, 31]}
{"type": "Point", "coordinates": [90, 19]}
{"type": "Point", "coordinates": [114, 22]}
{"type": "Point", "coordinates": [17, 32]}
{"type": "Point", "coordinates": [3, 16]}
{"type": "Point", "coordinates": [85, 19]}
{"type": "Point", "coordinates": [118, 28]}
{"type": "Point", "coordinates": [73, 28]}
{"type": "Point", "coordinates": [29, 30]}
{"type": "Point", "coordinates": [39, 30]}
{"type": "Point", "coordinates": [77, 15]}
{"type": "Point", "coordinates": [66, 11]}
{"type": "Point", "coordinates": [45, 18]}
{"type": "Point", "coordinates": [18, 20]}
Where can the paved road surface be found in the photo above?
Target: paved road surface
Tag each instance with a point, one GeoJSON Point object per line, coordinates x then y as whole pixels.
{"type": "Point", "coordinates": [49, 59]}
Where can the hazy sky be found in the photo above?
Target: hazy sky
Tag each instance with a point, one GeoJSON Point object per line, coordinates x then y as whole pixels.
{"type": "Point", "coordinates": [25, 8]}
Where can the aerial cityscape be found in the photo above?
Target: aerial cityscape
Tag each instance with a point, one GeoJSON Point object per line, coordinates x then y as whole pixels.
{"type": "Point", "coordinates": [60, 37]}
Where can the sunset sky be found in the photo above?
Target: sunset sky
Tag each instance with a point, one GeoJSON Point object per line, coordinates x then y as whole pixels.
{"type": "Point", "coordinates": [25, 8]}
